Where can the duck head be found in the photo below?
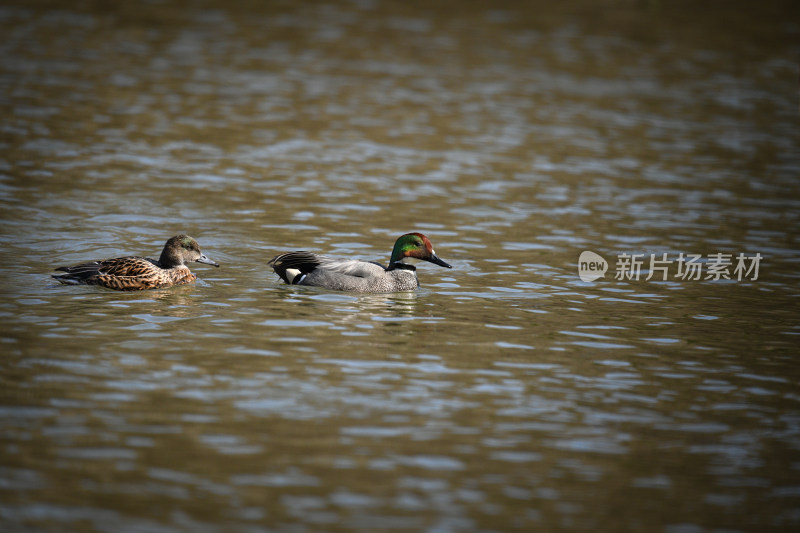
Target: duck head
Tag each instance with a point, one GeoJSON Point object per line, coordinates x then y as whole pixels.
{"type": "Point", "coordinates": [413, 247]}
{"type": "Point", "coordinates": [182, 249]}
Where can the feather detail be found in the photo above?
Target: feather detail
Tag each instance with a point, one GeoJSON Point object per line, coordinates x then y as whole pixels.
{"type": "Point", "coordinates": [293, 266]}
{"type": "Point", "coordinates": [307, 268]}
{"type": "Point", "coordinates": [139, 273]}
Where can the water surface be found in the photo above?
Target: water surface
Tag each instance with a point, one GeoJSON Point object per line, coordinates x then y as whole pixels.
{"type": "Point", "coordinates": [506, 394]}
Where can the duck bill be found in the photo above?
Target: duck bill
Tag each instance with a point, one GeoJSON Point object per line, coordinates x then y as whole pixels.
{"type": "Point", "coordinates": [207, 261]}
{"type": "Point", "coordinates": [436, 261]}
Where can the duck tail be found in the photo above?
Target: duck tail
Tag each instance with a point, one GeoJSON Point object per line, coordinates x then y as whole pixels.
{"type": "Point", "coordinates": [293, 267]}
{"type": "Point", "coordinates": [67, 279]}
{"type": "Point", "coordinates": [78, 274]}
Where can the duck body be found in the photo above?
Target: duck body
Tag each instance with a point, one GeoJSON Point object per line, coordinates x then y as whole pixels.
{"type": "Point", "coordinates": [134, 273]}
{"type": "Point", "coordinates": [307, 268]}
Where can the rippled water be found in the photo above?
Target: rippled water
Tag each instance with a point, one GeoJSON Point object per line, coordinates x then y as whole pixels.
{"type": "Point", "coordinates": [505, 394]}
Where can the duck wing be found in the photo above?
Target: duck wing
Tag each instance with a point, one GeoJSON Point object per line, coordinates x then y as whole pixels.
{"type": "Point", "coordinates": [120, 266]}
{"type": "Point", "coordinates": [292, 267]}
{"type": "Point", "coordinates": [351, 267]}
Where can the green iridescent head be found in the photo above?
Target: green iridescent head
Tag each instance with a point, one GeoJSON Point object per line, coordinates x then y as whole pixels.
{"type": "Point", "coordinates": [414, 247]}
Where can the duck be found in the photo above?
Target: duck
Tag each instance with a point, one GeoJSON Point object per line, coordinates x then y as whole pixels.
{"type": "Point", "coordinates": [134, 273]}
{"type": "Point", "coordinates": [307, 268]}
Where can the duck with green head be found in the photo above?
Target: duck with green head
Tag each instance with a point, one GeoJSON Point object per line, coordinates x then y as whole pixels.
{"type": "Point", "coordinates": [307, 268]}
{"type": "Point", "coordinates": [132, 273]}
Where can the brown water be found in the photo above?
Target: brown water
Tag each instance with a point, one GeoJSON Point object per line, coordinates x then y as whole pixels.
{"type": "Point", "coordinates": [506, 394]}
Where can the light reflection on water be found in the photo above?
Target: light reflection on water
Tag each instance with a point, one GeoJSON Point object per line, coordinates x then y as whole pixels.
{"type": "Point", "coordinates": [504, 394]}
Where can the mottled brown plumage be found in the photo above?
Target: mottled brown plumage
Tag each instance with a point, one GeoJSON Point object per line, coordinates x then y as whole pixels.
{"type": "Point", "coordinates": [134, 273]}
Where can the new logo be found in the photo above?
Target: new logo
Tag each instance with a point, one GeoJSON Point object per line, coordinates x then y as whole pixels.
{"type": "Point", "coordinates": [591, 266]}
